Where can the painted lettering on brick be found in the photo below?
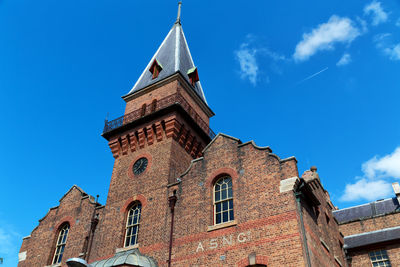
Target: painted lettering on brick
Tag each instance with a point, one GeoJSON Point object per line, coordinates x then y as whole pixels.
{"type": "Point", "coordinates": [224, 241]}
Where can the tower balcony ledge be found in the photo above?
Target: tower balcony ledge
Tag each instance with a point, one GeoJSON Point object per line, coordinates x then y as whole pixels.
{"type": "Point", "coordinates": [165, 104]}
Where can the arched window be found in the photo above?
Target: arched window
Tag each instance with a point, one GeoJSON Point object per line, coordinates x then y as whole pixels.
{"type": "Point", "coordinates": [132, 224]}
{"type": "Point", "coordinates": [60, 245]}
{"type": "Point", "coordinates": [223, 200]}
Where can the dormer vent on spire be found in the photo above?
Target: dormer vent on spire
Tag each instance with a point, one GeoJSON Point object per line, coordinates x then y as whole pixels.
{"type": "Point", "coordinates": [193, 76]}
{"type": "Point", "coordinates": [155, 68]}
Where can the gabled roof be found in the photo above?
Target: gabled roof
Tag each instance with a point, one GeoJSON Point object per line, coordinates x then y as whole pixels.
{"type": "Point", "coordinates": [174, 56]}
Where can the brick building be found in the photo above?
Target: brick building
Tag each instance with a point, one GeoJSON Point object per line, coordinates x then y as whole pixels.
{"type": "Point", "coordinates": [372, 232]}
{"type": "Point", "coordinates": [181, 196]}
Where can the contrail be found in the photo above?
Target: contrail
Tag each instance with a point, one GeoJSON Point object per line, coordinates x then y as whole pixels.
{"type": "Point", "coordinates": [312, 76]}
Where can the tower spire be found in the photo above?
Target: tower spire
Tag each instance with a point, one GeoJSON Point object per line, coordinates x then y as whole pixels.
{"type": "Point", "coordinates": [178, 18]}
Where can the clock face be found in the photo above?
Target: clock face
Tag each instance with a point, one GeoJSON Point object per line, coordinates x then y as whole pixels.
{"type": "Point", "coordinates": [140, 166]}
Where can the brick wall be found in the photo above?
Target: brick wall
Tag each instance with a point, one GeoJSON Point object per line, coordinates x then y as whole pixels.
{"type": "Point", "coordinates": [359, 256]}
{"type": "Point", "coordinates": [76, 208]}
{"type": "Point", "coordinates": [370, 224]}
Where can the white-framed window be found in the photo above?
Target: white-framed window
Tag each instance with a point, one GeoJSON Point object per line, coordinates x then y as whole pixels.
{"type": "Point", "coordinates": [379, 258]}
{"type": "Point", "coordinates": [132, 224]}
{"type": "Point", "coordinates": [60, 245]}
{"type": "Point", "coordinates": [223, 200]}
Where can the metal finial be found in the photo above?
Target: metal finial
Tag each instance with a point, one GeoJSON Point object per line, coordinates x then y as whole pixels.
{"type": "Point", "coordinates": [178, 18]}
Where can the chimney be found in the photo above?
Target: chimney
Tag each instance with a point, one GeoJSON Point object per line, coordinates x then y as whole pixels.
{"type": "Point", "coordinates": [396, 189]}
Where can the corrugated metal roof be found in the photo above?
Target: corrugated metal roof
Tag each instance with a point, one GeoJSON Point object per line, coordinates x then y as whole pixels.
{"type": "Point", "coordinates": [374, 237]}
{"type": "Point", "coordinates": [174, 55]}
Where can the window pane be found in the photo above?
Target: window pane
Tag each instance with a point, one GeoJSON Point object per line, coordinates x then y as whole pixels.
{"type": "Point", "coordinates": [231, 204]}
{"type": "Point", "coordinates": [218, 218]}
{"type": "Point", "coordinates": [217, 187]}
{"type": "Point", "coordinates": [225, 216]}
{"type": "Point", "coordinates": [225, 205]}
{"type": "Point", "coordinates": [230, 192]}
{"type": "Point", "coordinates": [230, 182]}
{"type": "Point", "coordinates": [133, 240]}
{"type": "Point", "coordinates": [223, 194]}
{"type": "Point", "coordinates": [231, 215]}
{"type": "Point", "coordinates": [218, 207]}
{"type": "Point", "coordinates": [217, 196]}
{"type": "Point", "coordinates": [129, 231]}
{"type": "Point", "coordinates": [223, 186]}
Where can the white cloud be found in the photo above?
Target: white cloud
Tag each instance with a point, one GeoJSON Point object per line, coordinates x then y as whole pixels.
{"type": "Point", "coordinates": [383, 42]}
{"type": "Point", "coordinates": [325, 36]}
{"type": "Point", "coordinates": [375, 182]}
{"type": "Point", "coordinates": [393, 52]}
{"type": "Point", "coordinates": [387, 166]}
{"type": "Point", "coordinates": [248, 63]}
{"type": "Point", "coordinates": [367, 190]}
{"type": "Point", "coordinates": [344, 60]}
{"type": "Point", "coordinates": [376, 11]}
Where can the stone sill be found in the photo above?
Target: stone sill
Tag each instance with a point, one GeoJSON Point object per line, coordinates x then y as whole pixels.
{"type": "Point", "coordinates": [126, 248]}
{"type": "Point", "coordinates": [221, 225]}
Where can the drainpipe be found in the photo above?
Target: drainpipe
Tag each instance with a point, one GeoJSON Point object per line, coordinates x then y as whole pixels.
{"type": "Point", "coordinates": [93, 224]}
{"type": "Point", "coordinates": [298, 195]}
{"type": "Point", "coordinates": [172, 200]}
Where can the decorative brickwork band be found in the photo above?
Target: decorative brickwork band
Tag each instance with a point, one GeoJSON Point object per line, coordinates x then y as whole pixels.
{"type": "Point", "coordinates": [159, 132]}
{"type": "Point", "coordinates": [114, 146]}
{"type": "Point", "coordinates": [195, 146]}
{"type": "Point", "coordinates": [150, 135]}
{"type": "Point", "coordinates": [172, 128]}
{"type": "Point", "coordinates": [142, 138]}
{"type": "Point", "coordinates": [189, 142]}
{"type": "Point", "coordinates": [183, 136]}
{"type": "Point", "coordinates": [132, 141]}
{"type": "Point", "coordinates": [125, 144]}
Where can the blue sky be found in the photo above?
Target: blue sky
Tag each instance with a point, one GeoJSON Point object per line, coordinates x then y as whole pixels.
{"type": "Point", "coordinates": [318, 80]}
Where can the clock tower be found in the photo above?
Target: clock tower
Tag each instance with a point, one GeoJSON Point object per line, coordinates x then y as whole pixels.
{"type": "Point", "coordinates": [165, 127]}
